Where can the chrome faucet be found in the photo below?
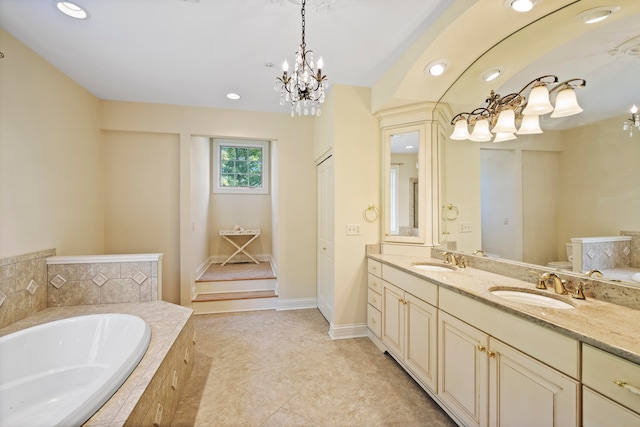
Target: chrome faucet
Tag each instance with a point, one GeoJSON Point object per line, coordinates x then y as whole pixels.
{"type": "Point", "coordinates": [554, 280]}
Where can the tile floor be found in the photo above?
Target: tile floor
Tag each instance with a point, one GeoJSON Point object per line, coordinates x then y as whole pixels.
{"type": "Point", "coordinates": [280, 368]}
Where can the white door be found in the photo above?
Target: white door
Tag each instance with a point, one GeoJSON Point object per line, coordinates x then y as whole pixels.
{"type": "Point", "coordinates": [325, 230]}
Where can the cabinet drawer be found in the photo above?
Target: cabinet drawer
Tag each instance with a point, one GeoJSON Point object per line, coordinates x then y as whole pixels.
{"type": "Point", "coordinates": [374, 320]}
{"type": "Point", "coordinates": [375, 299]}
{"type": "Point", "coordinates": [374, 267]}
{"type": "Point", "coordinates": [599, 371]}
{"type": "Point", "coordinates": [375, 283]}
{"type": "Point", "coordinates": [416, 286]}
{"type": "Point", "coordinates": [598, 411]}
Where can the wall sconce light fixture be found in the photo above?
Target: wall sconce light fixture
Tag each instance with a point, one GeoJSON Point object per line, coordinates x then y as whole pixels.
{"type": "Point", "coordinates": [502, 114]}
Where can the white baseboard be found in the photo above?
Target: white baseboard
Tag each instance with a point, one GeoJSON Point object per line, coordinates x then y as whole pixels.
{"type": "Point", "coordinates": [340, 332]}
{"type": "Point", "coordinates": [296, 304]}
{"type": "Point", "coordinates": [202, 268]}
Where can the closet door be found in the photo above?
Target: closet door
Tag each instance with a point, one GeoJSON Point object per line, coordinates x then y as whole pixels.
{"type": "Point", "coordinates": [325, 244]}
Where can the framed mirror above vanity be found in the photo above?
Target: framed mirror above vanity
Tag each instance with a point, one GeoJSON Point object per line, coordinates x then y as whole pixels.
{"type": "Point", "coordinates": [525, 199]}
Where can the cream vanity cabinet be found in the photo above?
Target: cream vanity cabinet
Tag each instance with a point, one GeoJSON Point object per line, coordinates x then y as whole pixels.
{"type": "Point", "coordinates": [486, 382]}
{"type": "Point", "coordinates": [374, 297]}
{"type": "Point", "coordinates": [409, 323]}
{"type": "Point", "coordinates": [610, 390]}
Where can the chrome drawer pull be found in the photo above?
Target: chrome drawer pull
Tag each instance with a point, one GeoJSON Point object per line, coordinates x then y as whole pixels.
{"type": "Point", "coordinates": [629, 387]}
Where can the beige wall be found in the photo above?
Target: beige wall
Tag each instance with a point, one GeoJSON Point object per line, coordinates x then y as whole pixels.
{"type": "Point", "coordinates": [200, 201]}
{"type": "Point", "coordinates": [600, 181]}
{"type": "Point", "coordinates": [141, 214]}
{"type": "Point", "coordinates": [51, 193]}
{"type": "Point", "coordinates": [295, 180]}
{"type": "Point", "coordinates": [357, 185]}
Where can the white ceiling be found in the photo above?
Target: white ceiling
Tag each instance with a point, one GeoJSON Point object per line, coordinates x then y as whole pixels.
{"type": "Point", "coordinates": [194, 52]}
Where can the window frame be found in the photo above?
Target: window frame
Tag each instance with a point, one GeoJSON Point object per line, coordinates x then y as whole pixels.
{"type": "Point", "coordinates": [216, 169]}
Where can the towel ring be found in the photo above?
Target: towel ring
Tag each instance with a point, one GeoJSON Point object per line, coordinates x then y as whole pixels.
{"type": "Point", "coordinates": [450, 216]}
{"type": "Point", "coordinates": [371, 214]}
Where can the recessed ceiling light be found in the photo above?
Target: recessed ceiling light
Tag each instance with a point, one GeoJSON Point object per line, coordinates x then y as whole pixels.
{"type": "Point", "coordinates": [436, 68]}
{"type": "Point", "coordinates": [233, 96]}
{"type": "Point", "coordinates": [72, 9]}
{"type": "Point", "coordinates": [491, 74]}
{"type": "Point", "coordinates": [520, 5]}
{"type": "Point", "coordinates": [409, 147]}
{"type": "Point", "coordinates": [591, 16]}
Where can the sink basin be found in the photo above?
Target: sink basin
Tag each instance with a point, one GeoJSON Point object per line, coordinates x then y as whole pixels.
{"type": "Point", "coordinates": [531, 299]}
{"type": "Point", "coordinates": [433, 267]}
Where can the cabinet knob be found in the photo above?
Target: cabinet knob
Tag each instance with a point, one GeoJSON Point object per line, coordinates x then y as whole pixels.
{"type": "Point", "coordinates": [481, 348]}
{"type": "Point", "coordinates": [491, 353]}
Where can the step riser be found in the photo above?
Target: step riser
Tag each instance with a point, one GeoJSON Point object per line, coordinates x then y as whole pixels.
{"type": "Point", "coordinates": [210, 307]}
{"type": "Point", "coordinates": [236, 286]}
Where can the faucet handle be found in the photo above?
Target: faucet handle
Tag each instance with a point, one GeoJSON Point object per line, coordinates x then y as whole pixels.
{"type": "Point", "coordinates": [542, 281]}
{"type": "Point", "coordinates": [460, 261]}
{"type": "Point", "coordinates": [578, 293]}
{"type": "Point", "coordinates": [596, 273]}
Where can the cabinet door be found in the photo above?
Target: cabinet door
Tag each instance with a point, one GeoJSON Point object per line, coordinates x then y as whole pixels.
{"type": "Point", "coordinates": [463, 370]}
{"type": "Point", "coordinates": [393, 318]}
{"type": "Point", "coordinates": [420, 331]}
{"type": "Point", "coordinates": [527, 393]}
{"type": "Point", "coordinates": [598, 411]}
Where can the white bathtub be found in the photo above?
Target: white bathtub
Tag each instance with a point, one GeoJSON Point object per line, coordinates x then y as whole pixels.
{"type": "Point", "coordinates": [60, 373]}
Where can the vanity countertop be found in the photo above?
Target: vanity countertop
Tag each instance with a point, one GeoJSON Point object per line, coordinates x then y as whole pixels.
{"type": "Point", "coordinates": [610, 327]}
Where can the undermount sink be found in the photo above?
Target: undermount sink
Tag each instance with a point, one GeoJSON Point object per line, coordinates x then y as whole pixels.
{"type": "Point", "coordinates": [433, 267]}
{"type": "Point", "coordinates": [529, 298]}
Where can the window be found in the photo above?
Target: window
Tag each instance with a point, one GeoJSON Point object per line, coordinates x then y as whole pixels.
{"type": "Point", "coordinates": [240, 167]}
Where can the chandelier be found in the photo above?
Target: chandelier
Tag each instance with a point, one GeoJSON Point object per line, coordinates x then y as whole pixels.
{"type": "Point", "coordinates": [635, 121]}
{"type": "Point", "coordinates": [305, 87]}
{"type": "Point", "coordinates": [514, 113]}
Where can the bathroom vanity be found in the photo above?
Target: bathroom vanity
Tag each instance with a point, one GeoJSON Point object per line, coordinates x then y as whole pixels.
{"type": "Point", "coordinates": [489, 360]}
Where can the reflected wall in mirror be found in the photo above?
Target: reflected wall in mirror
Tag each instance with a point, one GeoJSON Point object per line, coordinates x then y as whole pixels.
{"type": "Point", "coordinates": [403, 187]}
{"type": "Point", "coordinates": [527, 198]}
{"type": "Point", "coordinates": [404, 184]}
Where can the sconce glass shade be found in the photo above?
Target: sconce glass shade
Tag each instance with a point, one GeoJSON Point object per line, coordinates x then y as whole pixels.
{"type": "Point", "coordinates": [566, 104]}
{"type": "Point", "coordinates": [504, 136]}
{"type": "Point", "coordinates": [481, 131]}
{"type": "Point", "coordinates": [529, 125]}
{"type": "Point", "coordinates": [539, 103]}
{"type": "Point", "coordinates": [461, 131]}
{"type": "Point", "coordinates": [506, 122]}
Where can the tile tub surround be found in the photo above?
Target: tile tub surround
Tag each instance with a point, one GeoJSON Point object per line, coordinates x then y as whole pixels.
{"type": "Point", "coordinates": [103, 279]}
{"type": "Point", "coordinates": [172, 336]}
{"type": "Point", "coordinates": [23, 285]}
{"type": "Point", "coordinates": [591, 253]}
{"type": "Point", "coordinates": [604, 325]}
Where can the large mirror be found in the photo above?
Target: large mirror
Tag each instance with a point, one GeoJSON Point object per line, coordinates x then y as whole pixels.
{"type": "Point", "coordinates": [403, 186]}
{"type": "Point", "coordinates": [525, 199]}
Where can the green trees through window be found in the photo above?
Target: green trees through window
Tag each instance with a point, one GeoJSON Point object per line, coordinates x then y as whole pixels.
{"type": "Point", "coordinates": [241, 167]}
